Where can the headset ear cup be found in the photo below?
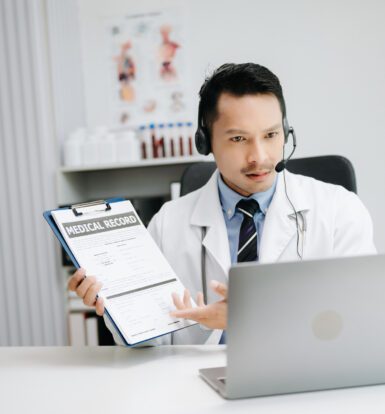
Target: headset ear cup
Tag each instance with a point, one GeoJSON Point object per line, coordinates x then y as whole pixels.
{"type": "Point", "coordinates": [202, 141]}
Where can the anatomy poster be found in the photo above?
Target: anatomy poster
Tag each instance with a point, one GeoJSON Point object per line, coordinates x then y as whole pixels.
{"type": "Point", "coordinates": [148, 77]}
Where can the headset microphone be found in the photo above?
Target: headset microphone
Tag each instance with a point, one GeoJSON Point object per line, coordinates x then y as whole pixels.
{"type": "Point", "coordinates": [282, 164]}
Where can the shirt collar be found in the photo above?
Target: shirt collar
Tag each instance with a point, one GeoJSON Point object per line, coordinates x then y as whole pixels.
{"type": "Point", "coordinates": [229, 198]}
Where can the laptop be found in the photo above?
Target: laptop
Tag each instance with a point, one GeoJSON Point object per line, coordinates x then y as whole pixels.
{"type": "Point", "coordinates": [303, 326]}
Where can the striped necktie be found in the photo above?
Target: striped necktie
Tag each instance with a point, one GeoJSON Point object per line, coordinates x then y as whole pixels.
{"type": "Point", "coordinates": [248, 243]}
{"type": "Point", "coordinates": [248, 237]}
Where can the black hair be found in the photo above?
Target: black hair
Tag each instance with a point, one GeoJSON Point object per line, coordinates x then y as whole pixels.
{"type": "Point", "coordinates": [238, 80]}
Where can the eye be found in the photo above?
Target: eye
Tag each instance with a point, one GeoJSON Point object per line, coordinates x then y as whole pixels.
{"type": "Point", "coordinates": [272, 134]}
{"type": "Point", "coordinates": [237, 139]}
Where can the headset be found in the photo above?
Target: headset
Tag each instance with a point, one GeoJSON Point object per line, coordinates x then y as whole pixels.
{"type": "Point", "coordinates": [202, 134]}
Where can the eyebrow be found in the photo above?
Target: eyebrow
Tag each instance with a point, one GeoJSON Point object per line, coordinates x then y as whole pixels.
{"type": "Point", "coordinates": [236, 131]}
{"type": "Point", "coordinates": [272, 128]}
{"type": "Point", "coordinates": [241, 131]}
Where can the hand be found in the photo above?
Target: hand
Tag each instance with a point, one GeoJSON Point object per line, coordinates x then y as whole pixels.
{"type": "Point", "coordinates": [87, 288]}
{"type": "Point", "coordinates": [214, 316]}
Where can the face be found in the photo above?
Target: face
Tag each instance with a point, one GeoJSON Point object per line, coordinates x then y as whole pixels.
{"type": "Point", "coordinates": [247, 141]}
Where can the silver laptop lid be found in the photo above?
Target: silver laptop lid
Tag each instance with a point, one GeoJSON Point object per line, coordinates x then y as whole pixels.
{"type": "Point", "coordinates": [305, 326]}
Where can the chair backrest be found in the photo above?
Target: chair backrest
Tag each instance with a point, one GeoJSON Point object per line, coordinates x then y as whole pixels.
{"type": "Point", "coordinates": [333, 169]}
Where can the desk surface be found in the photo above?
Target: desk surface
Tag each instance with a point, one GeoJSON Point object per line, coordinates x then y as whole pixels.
{"type": "Point", "coordinates": [155, 380]}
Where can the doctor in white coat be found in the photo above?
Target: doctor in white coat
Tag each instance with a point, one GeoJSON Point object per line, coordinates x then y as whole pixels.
{"type": "Point", "coordinates": [242, 121]}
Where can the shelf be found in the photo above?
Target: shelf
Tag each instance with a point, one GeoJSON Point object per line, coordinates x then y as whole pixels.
{"type": "Point", "coordinates": [145, 178]}
{"type": "Point", "coordinates": [138, 164]}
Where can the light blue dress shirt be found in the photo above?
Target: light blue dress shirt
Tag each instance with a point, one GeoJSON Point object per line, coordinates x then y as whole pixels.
{"type": "Point", "coordinates": [233, 218]}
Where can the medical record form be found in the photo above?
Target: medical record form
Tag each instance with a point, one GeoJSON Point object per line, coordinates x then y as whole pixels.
{"type": "Point", "coordinates": [114, 246]}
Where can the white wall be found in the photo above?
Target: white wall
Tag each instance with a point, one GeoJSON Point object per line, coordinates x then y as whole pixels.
{"type": "Point", "coordinates": [329, 55]}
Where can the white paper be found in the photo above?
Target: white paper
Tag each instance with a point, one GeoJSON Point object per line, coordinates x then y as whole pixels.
{"type": "Point", "coordinates": [116, 248]}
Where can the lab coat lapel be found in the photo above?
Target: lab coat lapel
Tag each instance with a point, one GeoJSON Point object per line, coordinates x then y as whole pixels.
{"type": "Point", "coordinates": [280, 224]}
{"type": "Point", "coordinates": [208, 213]}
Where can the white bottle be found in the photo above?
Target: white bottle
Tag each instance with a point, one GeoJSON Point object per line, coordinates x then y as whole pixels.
{"type": "Point", "coordinates": [128, 147]}
{"type": "Point", "coordinates": [107, 149]}
{"type": "Point", "coordinates": [91, 150]}
{"type": "Point", "coordinates": [122, 148]}
{"type": "Point", "coordinates": [72, 148]}
{"type": "Point", "coordinates": [135, 146]}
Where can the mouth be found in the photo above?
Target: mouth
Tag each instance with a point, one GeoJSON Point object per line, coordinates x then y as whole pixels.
{"type": "Point", "coordinates": [258, 176]}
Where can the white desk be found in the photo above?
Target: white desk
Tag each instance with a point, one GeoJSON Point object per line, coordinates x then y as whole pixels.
{"type": "Point", "coordinates": [115, 380]}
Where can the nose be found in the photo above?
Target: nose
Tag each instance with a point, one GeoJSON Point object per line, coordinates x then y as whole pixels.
{"type": "Point", "coordinates": [257, 153]}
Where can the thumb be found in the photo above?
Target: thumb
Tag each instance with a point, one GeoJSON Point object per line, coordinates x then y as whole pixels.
{"type": "Point", "coordinates": [219, 288]}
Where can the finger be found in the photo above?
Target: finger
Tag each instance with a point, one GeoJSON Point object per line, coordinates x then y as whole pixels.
{"type": "Point", "coordinates": [219, 288]}
{"type": "Point", "coordinates": [81, 290]}
{"type": "Point", "coordinates": [195, 314]}
{"type": "Point", "coordinates": [187, 299]}
{"type": "Point", "coordinates": [99, 306]}
{"type": "Point", "coordinates": [177, 301]}
{"type": "Point", "coordinates": [76, 279]}
{"type": "Point", "coordinates": [90, 296]}
{"type": "Point", "coordinates": [200, 299]}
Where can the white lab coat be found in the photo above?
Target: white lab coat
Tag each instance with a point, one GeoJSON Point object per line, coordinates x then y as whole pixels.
{"type": "Point", "coordinates": [337, 224]}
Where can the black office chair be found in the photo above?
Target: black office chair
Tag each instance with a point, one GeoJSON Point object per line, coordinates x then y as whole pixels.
{"type": "Point", "coordinates": [333, 169]}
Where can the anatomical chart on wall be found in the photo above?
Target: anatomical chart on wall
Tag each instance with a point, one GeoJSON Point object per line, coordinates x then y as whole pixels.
{"type": "Point", "coordinates": [149, 79]}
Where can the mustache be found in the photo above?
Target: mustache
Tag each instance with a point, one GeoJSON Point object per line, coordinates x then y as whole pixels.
{"type": "Point", "coordinates": [254, 167]}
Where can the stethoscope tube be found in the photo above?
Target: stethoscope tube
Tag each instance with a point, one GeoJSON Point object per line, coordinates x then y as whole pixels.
{"type": "Point", "coordinates": [203, 266]}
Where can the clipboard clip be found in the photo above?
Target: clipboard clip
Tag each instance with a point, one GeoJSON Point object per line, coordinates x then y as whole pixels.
{"type": "Point", "coordinates": [88, 206]}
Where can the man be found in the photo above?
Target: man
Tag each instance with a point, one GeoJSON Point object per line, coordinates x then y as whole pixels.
{"type": "Point", "coordinates": [247, 211]}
